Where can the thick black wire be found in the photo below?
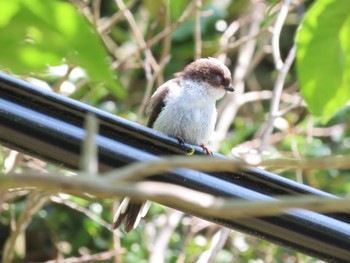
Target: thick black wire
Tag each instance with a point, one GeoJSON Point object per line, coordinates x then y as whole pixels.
{"type": "Point", "coordinates": [49, 126]}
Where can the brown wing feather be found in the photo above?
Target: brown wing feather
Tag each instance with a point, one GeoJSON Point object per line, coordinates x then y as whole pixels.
{"type": "Point", "coordinates": [156, 103]}
{"type": "Point", "coordinates": [129, 216]}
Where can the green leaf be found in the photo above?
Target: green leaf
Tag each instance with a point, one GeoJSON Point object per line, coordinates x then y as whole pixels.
{"type": "Point", "coordinates": [177, 7]}
{"type": "Point", "coordinates": [323, 57]}
{"type": "Point", "coordinates": [153, 7]}
{"type": "Point", "coordinates": [35, 34]}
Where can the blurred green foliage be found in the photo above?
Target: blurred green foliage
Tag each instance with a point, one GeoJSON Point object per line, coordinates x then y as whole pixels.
{"type": "Point", "coordinates": [36, 34]}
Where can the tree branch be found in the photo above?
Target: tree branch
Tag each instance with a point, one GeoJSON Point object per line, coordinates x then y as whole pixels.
{"type": "Point", "coordinates": [113, 184]}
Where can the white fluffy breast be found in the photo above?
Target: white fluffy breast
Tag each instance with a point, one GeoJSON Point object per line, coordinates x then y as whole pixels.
{"type": "Point", "coordinates": [189, 112]}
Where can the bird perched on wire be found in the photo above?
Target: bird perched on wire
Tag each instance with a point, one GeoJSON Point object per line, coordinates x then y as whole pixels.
{"type": "Point", "coordinates": [184, 108]}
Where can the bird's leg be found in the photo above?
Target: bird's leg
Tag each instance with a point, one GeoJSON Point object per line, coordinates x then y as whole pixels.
{"type": "Point", "coordinates": [206, 149]}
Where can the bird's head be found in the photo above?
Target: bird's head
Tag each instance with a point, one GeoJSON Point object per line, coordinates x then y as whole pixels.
{"type": "Point", "coordinates": [211, 73]}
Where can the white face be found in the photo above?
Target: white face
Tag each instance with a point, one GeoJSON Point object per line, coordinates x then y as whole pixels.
{"type": "Point", "coordinates": [215, 93]}
{"type": "Point", "coordinates": [201, 92]}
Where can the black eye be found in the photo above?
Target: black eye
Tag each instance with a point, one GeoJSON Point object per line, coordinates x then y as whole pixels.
{"type": "Point", "coordinates": [218, 79]}
{"type": "Point", "coordinates": [226, 82]}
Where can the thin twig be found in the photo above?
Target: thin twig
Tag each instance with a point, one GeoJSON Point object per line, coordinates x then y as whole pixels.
{"type": "Point", "coordinates": [243, 40]}
{"type": "Point", "coordinates": [225, 38]}
{"type": "Point", "coordinates": [161, 243]}
{"type": "Point", "coordinates": [35, 201]}
{"type": "Point", "coordinates": [296, 153]}
{"type": "Point", "coordinates": [277, 136]}
{"type": "Point", "coordinates": [88, 258]}
{"type": "Point", "coordinates": [245, 55]}
{"type": "Point", "coordinates": [96, 10]}
{"type": "Point", "coordinates": [209, 164]}
{"type": "Point", "coordinates": [217, 243]}
{"type": "Point", "coordinates": [168, 30]}
{"type": "Point", "coordinates": [150, 83]}
{"type": "Point", "coordinates": [282, 15]}
{"type": "Point", "coordinates": [116, 17]}
{"type": "Point", "coordinates": [81, 209]}
{"type": "Point", "coordinates": [138, 36]}
{"type": "Point", "coordinates": [141, 170]}
{"type": "Point", "coordinates": [258, 57]}
{"type": "Point", "coordinates": [278, 87]}
{"type": "Point", "coordinates": [11, 161]}
{"type": "Point", "coordinates": [89, 162]}
{"type": "Point", "coordinates": [57, 86]}
{"type": "Point", "coordinates": [197, 31]}
{"type": "Point", "coordinates": [165, 33]}
{"type": "Point", "coordinates": [165, 55]}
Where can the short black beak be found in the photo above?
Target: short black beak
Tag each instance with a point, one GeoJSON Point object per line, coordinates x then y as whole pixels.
{"type": "Point", "coordinates": [230, 88]}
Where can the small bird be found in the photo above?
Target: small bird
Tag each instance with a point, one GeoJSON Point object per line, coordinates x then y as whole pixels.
{"type": "Point", "coordinates": [184, 108]}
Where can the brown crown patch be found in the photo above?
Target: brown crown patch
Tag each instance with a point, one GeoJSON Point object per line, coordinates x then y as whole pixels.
{"type": "Point", "coordinates": [208, 70]}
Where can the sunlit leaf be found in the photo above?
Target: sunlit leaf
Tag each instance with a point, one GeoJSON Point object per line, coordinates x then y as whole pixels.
{"type": "Point", "coordinates": [323, 57]}
{"type": "Point", "coordinates": [35, 34]}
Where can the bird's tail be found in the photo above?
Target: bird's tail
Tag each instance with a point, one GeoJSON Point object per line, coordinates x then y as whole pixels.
{"type": "Point", "coordinates": [131, 213]}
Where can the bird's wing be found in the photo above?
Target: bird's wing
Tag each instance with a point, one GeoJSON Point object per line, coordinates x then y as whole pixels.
{"type": "Point", "coordinates": [131, 213]}
{"type": "Point", "coordinates": [157, 102]}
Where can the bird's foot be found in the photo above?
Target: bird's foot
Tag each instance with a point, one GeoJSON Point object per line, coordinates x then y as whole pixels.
{"type": "Point", "coordinates": [180, 140]}
{"type": "Point", "coordinates": [206, 149]}
{"type": "Point", "coordinates": [182, 143]}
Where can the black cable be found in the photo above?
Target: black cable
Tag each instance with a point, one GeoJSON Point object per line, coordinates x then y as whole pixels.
{"type": "Point", "coordinates": [49, 126]}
